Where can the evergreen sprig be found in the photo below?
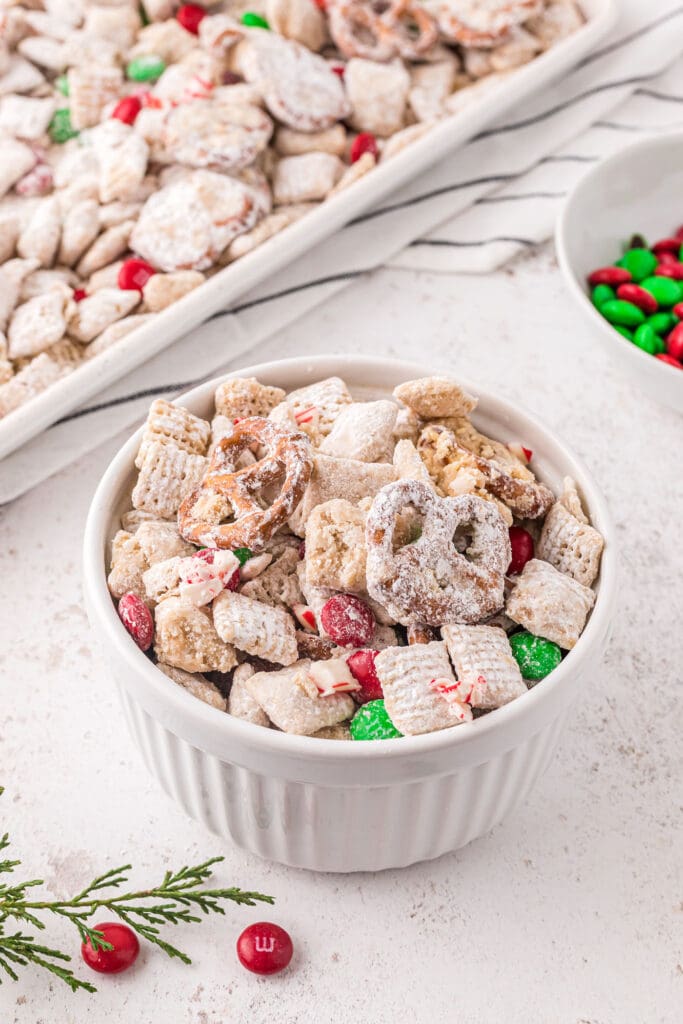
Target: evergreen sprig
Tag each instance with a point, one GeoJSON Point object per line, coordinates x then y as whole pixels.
{"type": "Point", "coordinates": [178, 899]}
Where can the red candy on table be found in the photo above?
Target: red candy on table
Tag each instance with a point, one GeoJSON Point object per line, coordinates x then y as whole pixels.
{"type": "Point", "coordinates": [674, 343]}
{"type": "Point", "coordinates": [669, 360]}
{"type": "Point", "coordinates": [610, 275]}
{"type": "Point", "coordinates": [522, 544]}
{"type": "Point", "coordinates": [362, 668]}
{"type": "Point", "coordinates": [112, 961]}
{"type": "Point", "coordinates": [137, 618]}
{"type": "Point", "coordinates": [134, 274]}
{"type": "Point", "coordinates": [347, 620]}
{"type": "Point", "coordinates": [264, 948]}
{"type": "Point", "coordinates": [638, 296]}
{"type": "Point", "coordinates": [363, 143]}
{"type": "Point", "coordinates": [127, 109]}
{"type": "Point", "coordinates": [673, 270]}
{"type": "Point", "coordinates": [190, 16]}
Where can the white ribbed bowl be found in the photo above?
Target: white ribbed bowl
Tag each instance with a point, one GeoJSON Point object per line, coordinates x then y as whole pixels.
{"type": "Point", "coordinates": [330, 805]}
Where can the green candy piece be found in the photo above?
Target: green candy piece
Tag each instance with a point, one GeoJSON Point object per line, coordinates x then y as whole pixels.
{"type": "Point", "coordinates": [62, 85]}
{"type": "Point", "coordinates": [660, 345]}
{"type": "Point", "coordinates": [640, 262]}
{"type": "Point", "coordinates": [624, 331]}
{"type": "Point", "coordinates": [146, 68]}
{"type": "Point", "coordinates": [617, 311]}
{"type": "Point", "coordinates": [666, 291]}
{"type": "Point", "coordinates": [535, 656]}
{"type": "Point", "coordinates": [60, 128]}
{"type": "Point", "coordinates": [662, 323]}
{"type": "Point", "coordinates": [601, 294]}
{"type": "Point", "coordinates": [646, 339]}
{"type": "Point", "coordinates": [253, 20]}
{"type": "Point", "coordinates": [372, 722]}
{"type": "Point", "coordinates": [243, 555]}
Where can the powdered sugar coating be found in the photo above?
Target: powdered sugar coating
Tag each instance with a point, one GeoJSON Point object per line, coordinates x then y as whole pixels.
{"type": "Point", "coordinates": [429, 580]}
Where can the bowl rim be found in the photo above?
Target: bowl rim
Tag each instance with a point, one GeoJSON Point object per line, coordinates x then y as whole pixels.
{"type": "Point", "coordinates": [576, 286]}
{"type": "Point", "coordinates": [201, 717]}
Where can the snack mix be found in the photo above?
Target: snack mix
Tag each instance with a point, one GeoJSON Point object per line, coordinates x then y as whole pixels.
{"type": "Point", "coordinates": [145, 146]}
{"type": "Point", "coordinates": [348, 569]}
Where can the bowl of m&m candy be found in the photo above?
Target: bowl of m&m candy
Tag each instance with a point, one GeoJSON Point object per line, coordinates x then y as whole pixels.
{"type": "Point", "coordinates": [620, 246]}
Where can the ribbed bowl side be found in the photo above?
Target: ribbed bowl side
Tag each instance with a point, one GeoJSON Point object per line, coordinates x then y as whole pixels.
{"type": "Point", "coordinates": [340, 828]}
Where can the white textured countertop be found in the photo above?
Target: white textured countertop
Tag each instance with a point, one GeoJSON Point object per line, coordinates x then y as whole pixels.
{"type": "Point", "coordinates": [565, 914]}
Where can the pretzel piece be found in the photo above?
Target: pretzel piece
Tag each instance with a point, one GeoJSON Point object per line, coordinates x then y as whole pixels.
{"type": "Point", "coordinates": [258, 629]}
{"type": "Point", "coordinates": [185, 638]}
{"type": "Point", "coordinates": [379, 32]}
{"type": "Point", "coordinates": [550, 604]}
{"type": "Point", "coordinates": [227, 492]}
{"type": "Point", "coordinates": [291, 702]}
{"type": "Point", "coordinates": [449, 462]}
{"type": "Point", "coordinates": [487, 671]}
{"type": "Point", "coordinates": [429, 581]}
{"type": "Point", "coordinates": [413, 681]}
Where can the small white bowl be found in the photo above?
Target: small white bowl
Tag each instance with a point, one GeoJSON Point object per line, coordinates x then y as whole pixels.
{"type": "Point", "coordinates": [332, 805]}
{"type": "Point", "coordinates": [639, 189]}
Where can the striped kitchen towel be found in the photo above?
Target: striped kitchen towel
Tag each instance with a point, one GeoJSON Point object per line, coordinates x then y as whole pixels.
{"type": "Point", "coordinates": [498, 198]}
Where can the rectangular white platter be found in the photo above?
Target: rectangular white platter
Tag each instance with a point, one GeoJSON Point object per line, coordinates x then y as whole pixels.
{"type": "Point", "coordinates": [224, 288]}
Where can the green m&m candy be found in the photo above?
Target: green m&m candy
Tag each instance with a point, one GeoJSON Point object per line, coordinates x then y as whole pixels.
{"type": "Point", "coordinates": [666, 291]}
{"type": "Point", "coordinates": [618, 311]}
{"type": "Point", "coordinates": [645, 338]}
{"type": "Point", "coordinates": [624, 331]}
{"type": "Point", "coordinates": [372, 722]}
{"type": "Point", "coordinates": [535, 656]}
{"type": "Point", "coordinates": [601, 294]}
{"type": "Point", "coordinates": [639, 262]}
{"type": "Point", "coordinates": [253, 20]}
{"type": "Point", "coordinates": [60, 128]}
{"type": "Point", "coordinates": [146, 68]}
{"type": "Point", "coordinates": [243, 555]}
{"type": "Point", "coordinates": [661, 323]}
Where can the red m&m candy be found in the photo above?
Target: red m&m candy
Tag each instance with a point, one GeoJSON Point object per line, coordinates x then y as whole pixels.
{"type": "Point", "coordinates": [127, 109]}
{"type": "Point", "coordinates": [134, 274]}
{"type": "Point", "coordinates": [363, 143]}
{"type": "Point", "coordinates": [264, 948]}
{"type": "Point", "coordinates": [522, 544]}
{"type": "Point", "coordinates": [137, 618]}
{"type": "Point", "coordinates": [610, 275]}
{"type": "Point", "coordinates": [638, 296]}
{"type": "Point", "coordinates": [190, 17]}
{"type": "Point", "coordinates": [122, 955]}
{"type": "Point", "coordinates": [674, 343]}
{"type": "Point", "coordinates": [347, 620]}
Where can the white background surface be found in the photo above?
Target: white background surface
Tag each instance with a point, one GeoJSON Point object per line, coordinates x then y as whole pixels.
{"type": "Point", "coordinates": [566, 914]}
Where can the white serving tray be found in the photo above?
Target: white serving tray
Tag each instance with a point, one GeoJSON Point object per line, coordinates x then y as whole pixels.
{"type": "Point", "coordinates": [224, 288]}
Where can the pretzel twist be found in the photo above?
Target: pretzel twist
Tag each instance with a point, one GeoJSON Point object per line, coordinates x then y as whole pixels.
{"type": "Point", "coordinates": [430, 582]}
{"type": "Point", "coordinates": [379, 30]}
{"type": "Point", "coordinates": [244, 494]}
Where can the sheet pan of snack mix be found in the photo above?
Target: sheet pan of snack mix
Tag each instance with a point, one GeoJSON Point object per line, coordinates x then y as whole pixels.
{"type": "Point", "coordinates": [148, 155]}
{"type": "Point", "coordinates": [345, 685]}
